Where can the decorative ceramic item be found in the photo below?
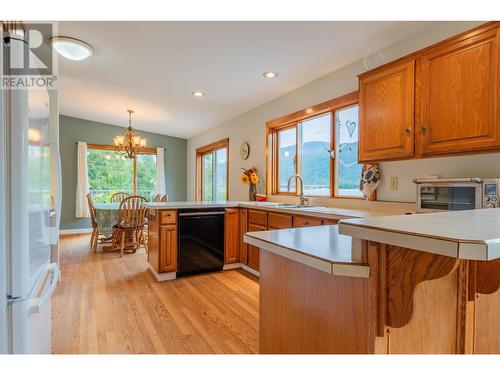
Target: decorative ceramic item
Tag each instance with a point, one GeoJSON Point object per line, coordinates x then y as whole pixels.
{"type": "Point", "coordinates": [370, 179]}
{"type": "Point", "coordinates": [250, 177]}
{"type": "Point", "coordinates": [244, 150]}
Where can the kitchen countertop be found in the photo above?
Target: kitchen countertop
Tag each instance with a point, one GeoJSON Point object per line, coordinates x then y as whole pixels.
{"type": "Point", "coordinates": [321, 212]}
{"type": "Point", "coordinates": [322, 248]}
{"type": "Point", "coordinates": [472, 234]}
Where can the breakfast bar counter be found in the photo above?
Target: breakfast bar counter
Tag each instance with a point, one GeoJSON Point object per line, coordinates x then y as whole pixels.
{"type": "Point", "coordinates": [432, 286]}
{"type": "Point", "coordinates": [319, 247]}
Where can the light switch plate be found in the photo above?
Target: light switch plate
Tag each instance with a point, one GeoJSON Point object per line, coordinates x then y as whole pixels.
{"type": "Point", "coordinates": [394, 183]}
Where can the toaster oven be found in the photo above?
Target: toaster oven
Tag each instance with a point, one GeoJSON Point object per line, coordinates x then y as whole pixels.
{"type": "Point", "coordinates": [455, 194]}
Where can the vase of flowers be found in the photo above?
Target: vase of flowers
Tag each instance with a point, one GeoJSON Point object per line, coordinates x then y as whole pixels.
{"type": "Point", "coordinates": [250, 177]}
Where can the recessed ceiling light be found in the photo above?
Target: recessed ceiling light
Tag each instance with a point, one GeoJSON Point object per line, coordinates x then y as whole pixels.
{"type": "Point", "coordinates": [270, 74]}
{"type": "Point", "coordinates": [198, 93]}
{"type": "Point", "coordinates": [71, 48]}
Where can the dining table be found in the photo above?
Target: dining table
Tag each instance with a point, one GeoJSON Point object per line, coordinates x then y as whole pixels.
{"type": "Point", "coordinates": [106, 215]}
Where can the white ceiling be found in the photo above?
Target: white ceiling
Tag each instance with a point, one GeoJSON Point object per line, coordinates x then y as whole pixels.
{"type": "Point", "coordinates": [153, 67]}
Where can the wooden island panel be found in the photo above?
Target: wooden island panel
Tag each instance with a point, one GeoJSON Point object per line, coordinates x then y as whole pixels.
{"type": "Point", "coordinates": [300, 310]}
{"type": "Point", "coordinates": [413, 302]}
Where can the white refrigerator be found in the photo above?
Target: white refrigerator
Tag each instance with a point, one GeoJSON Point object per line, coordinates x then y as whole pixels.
{"type": "Point", "coordinates": [29, 218]}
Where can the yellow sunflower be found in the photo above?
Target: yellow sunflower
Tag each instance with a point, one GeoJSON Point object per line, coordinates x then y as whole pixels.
{"type": "Point", "coordinates": [245, 179]}
{"type": "Point", "coordinates": [254, 178]}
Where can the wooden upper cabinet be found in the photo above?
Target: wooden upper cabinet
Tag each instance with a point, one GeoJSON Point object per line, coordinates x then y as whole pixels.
{"type": "Point", "coordinates": [232, 235]}
{"type": "Point", "coordinates": [386, 113]}
{"type": "Point", "coordinates": [459, 95]}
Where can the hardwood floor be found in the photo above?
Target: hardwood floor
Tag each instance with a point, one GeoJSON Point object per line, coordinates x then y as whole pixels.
{"type": "Point", "coordinates": [108, 304]}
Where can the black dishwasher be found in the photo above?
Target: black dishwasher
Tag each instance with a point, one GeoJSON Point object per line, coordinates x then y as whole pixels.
{"type": "Point", "coordinates": [201, 240]}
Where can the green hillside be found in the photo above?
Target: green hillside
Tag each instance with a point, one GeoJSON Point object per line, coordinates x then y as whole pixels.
{"type": "Point", "coordinates": [316, 160]}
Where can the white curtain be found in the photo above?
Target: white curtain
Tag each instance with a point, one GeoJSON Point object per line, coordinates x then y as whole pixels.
{"type": "Point", "coordinates": [160, 171]}
{"type": "Point", "coordinates": [82, 181]}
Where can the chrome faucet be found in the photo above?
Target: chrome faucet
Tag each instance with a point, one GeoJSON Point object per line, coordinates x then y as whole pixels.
{"type": "Point", "coordinates": [303, 200]}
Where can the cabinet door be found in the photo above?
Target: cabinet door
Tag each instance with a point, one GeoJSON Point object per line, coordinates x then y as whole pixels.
{"type": "Point", "coordinates": [253, 251]}
{"type": "Point", "coordinates": [168, 248]}
{"type": "Point", "coordinates": [231, 234]}
{"type": "Point", "coordinates": [459, 96]}
{"type": "Point", "coordinates": [243, 230]}
{"type": "Point", "coordinates": [386, 113]}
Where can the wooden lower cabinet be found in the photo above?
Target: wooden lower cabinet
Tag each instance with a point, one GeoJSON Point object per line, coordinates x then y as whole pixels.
{"type": "Point", "coordinates": [253, 251]}
{"type": "Point", "coordinates": [162, 240]}
{"type": "Point", "coordinates": [168, 248]}
{"type": "Point", "coordinates": [231, 235]}
{"type": "Point", "coordinates": [243, 229]}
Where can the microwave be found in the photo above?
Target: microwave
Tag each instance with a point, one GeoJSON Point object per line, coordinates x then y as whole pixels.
{"type": "Point", "coordinates": [456, 194]}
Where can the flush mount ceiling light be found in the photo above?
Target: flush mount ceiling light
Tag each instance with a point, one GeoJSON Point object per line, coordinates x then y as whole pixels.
{"type": "Point", "coordinates": [198, 93]}
{"type": "Point", "coordinates": [71, 48]}
{"type": "Point", "coordinates": [270, 74]}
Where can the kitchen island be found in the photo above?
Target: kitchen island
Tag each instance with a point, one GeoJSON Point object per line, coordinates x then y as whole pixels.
{"type": "Point", "coordinates": [430, 285]}
{"type": "Point", "coordinates": [240, 217]}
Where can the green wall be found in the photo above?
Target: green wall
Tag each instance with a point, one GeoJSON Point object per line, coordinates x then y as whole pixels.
{"type": "Point", "coordinates": [72, 130]}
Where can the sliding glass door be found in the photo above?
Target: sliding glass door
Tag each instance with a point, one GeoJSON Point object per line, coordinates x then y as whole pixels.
{"type": "Point", "coordinates": [212, 165]}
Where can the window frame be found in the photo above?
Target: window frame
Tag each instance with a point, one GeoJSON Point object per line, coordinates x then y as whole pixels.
{"type": "Point", "coordinates": [273, 128]}
{"type": "Point", "coordinates": [210, 149]}
{"type": "Point", "coordinates": [278, 130]}
{"type": "Point", "coordinates": [144, 150]}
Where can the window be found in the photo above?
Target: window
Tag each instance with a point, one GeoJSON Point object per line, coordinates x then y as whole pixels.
{"type": "Point", "coordinates": [346, 162]}
{"type": "Point", "coordinates": [146, 175]}
{"type": "Point", "coordinates": [321, 145]}
{"type": "Point", "coordinates": [212, 171]}
{"type": "Point", "coordinates": [287, 166]}
{"type": "Point", "coordinates": [110, 173]}
{"type": "Point", "coordinates": [316, 141]}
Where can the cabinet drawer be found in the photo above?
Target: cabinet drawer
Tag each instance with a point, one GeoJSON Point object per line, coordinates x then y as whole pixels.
{"type": "Point", "coordinates": [168, 217]}
{"type": "Point", "coordinates": [330, 221]}
{"type": "Point", "coordinates": [279, 221]}
{"type": "Point", "coordinates": [257, 217]}
{"type": "Point", "coordinates": [300, 221]}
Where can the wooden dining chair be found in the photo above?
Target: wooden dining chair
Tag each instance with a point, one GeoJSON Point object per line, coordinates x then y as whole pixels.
{"type": "Point", "coordinates": [164, 198]}
{"type": "Point", "coordinates": [96, 237]}
{"type": "Point", "coordinates": [157, 198]}
{"type": "Point", "coordinates": [128, 232]}
{"type": "Point", "coordinates": [118, 197]}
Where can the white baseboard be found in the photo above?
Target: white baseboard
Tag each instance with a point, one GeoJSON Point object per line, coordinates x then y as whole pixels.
{"type": "Point", "coordinates": [162, 276]}
{"type": "Point", "coordinates": [63, 232]}
{"type": "Point", "coordinates": [250, 270]}
{"type": "Point", "coordinates": [173, 275]}
{"type": "Point", "coordinates": [232, 266]}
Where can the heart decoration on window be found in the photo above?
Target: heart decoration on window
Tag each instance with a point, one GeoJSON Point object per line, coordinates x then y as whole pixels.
{"type": "Point", "coordinates": [351, 126]}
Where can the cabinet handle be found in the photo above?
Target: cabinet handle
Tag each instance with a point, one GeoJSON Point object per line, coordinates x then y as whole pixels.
{"type": "Point", "coordinates": [424, 129]}
{"type": "Point", "coordinates": [408, 131]}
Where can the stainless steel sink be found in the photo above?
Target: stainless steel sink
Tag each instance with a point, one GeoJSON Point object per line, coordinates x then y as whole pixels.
{"type": "Point", "coordinates": [301, 206]}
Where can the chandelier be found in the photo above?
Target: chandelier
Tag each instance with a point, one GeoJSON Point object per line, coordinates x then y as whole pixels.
{"type": "Point", "coordinates": [129, 144]}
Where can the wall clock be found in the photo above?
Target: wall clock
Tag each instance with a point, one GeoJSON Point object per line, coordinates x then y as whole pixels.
{"type": "Point", "coordinates": [244, 150]}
